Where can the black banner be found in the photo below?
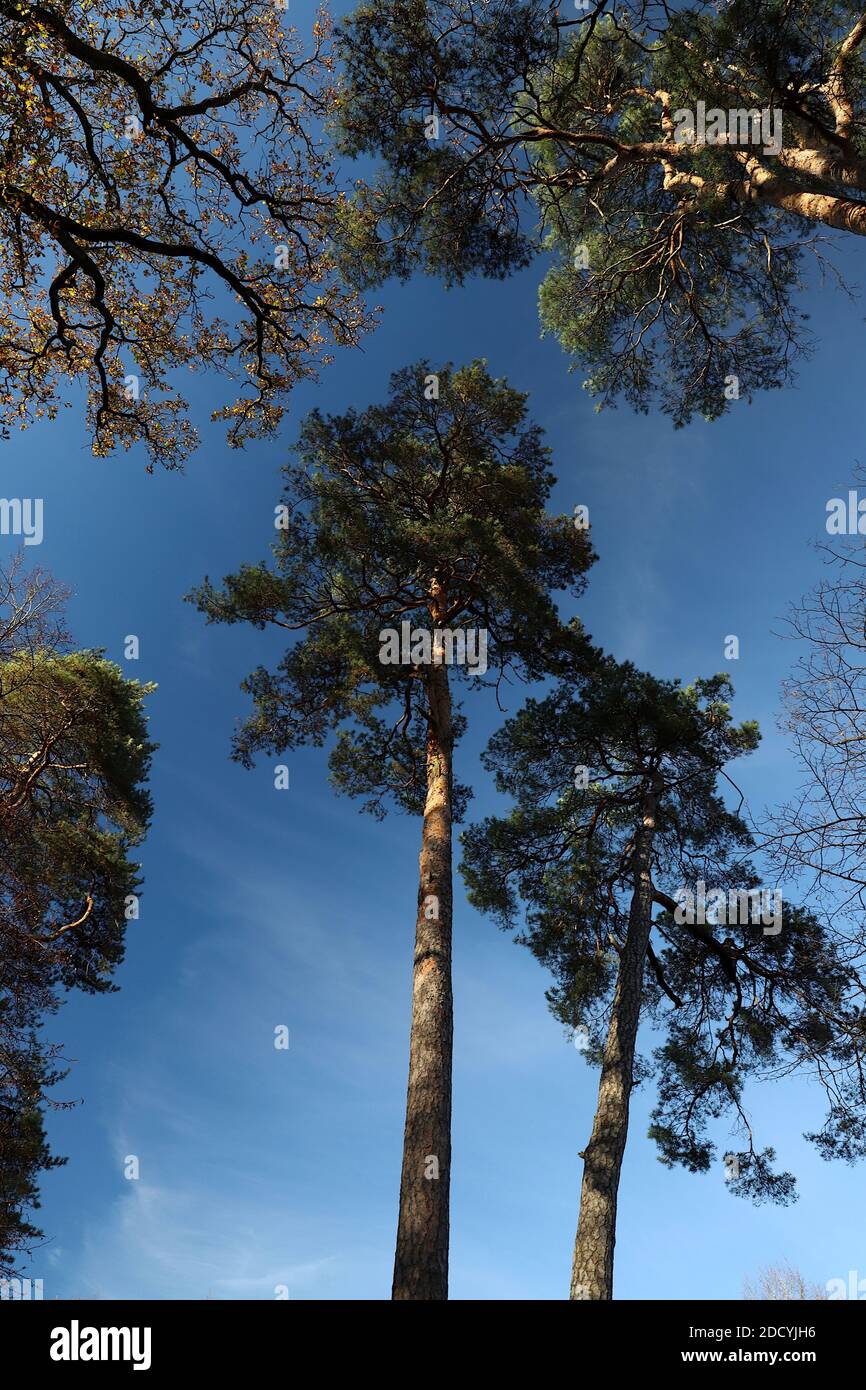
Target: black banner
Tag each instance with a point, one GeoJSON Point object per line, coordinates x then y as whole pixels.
{"type": "Point", "coordinates": [83, 1339]}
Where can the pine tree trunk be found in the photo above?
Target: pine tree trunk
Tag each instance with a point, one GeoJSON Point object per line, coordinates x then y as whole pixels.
{"type": "Point", "coordinates": [421, 1261]}
{"type": "Point", "coordinates": [592, 1269]}
{"type": "Point", "coordinates": [762, 186]}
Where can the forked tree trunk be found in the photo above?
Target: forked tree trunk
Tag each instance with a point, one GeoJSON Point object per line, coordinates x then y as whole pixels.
{"type": "Point", "coordinates": [421, 1261]}
{"type": "Point", "coordinates": [592, 1269]}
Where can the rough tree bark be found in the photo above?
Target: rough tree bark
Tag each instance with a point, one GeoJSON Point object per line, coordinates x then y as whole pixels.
{"type": "Point", "coordinates": [592, 1268]}
{"type": "Point", "coordinates": [421, 1261]}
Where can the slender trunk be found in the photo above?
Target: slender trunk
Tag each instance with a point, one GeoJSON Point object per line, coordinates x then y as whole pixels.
{"type": "Point", "coordinates": [592, 1269]}
{"type": "Point", "coordinates": [421, 1261]}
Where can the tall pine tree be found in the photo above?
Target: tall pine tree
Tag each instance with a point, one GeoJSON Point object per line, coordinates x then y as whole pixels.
{"type": "Point", "coordinates": [615, 777]}
{"type": "Point", "coordinates": [409, 523]}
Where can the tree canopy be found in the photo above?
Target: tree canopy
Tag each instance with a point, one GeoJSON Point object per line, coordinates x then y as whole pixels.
{"type": "Point", "coordinates": [819, 836]}
{"type": "Point", "coordinates": [74, 760]}
{"type": "Point", "coordinates": [675, 162]}
{"type": "Point", "coordinates": [428, 509]}
{"type": "Point", "coordinates": [165, 202]}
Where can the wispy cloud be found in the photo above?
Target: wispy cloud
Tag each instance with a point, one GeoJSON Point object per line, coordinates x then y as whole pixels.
{"type": "Point", "coordinates": [185, 1243]}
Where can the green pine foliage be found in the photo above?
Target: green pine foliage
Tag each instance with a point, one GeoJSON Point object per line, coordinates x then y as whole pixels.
{"type": "Point", "coordinates": [726, 1003]}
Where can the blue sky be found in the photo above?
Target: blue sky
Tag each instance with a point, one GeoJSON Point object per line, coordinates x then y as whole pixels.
{"type": "Point", "coordinates": [260, 1167]}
